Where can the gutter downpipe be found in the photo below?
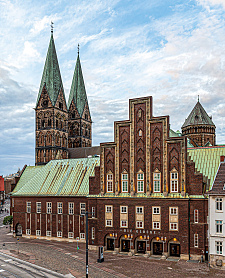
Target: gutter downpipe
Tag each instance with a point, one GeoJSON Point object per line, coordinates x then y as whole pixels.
{"type": "Point", "coordinates": [189, 220]}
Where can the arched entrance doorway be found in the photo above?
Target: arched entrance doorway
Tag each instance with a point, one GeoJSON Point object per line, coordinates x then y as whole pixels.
{"type": "Point", "coordinates": [18, 229]}
{"type": "Point", "coordinates": [174, 247]}
{"type": "Point", "coordinates": [125, 244]}
{"type": "Point", "coordinates": [157, 246]}
{"type": "Point", "coordinates": [140, 245]}
{"type": "Point", "coordinates": [110, 242]}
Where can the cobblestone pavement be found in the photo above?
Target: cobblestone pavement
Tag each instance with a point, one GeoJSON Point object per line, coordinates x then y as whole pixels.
{"type": "Point", "coordinates": [63, 257]}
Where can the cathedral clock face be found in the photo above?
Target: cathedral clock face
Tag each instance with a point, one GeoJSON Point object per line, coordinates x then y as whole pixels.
{"type": "Point", "coordinates": [45, 103]}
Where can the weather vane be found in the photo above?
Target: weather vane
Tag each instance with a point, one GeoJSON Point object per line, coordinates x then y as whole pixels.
{"type": "Point", "coordinates": [78, 48]}
{"type": "Point", "coordinates": [52, 26]}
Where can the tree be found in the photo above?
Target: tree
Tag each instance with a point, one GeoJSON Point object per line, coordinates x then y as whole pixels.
{"type": "Point", "coordinates": [8, 220]}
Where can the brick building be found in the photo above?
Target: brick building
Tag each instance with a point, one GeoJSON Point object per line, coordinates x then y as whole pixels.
{"type": "Point", "coordinates": [145, 194]}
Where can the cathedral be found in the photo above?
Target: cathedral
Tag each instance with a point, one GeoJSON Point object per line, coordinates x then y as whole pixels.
{"type": "Point", "coordinates": [60, 125]}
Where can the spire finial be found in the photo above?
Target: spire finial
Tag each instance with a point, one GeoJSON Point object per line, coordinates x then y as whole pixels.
{"type": "Point", "coordinates": [198, 98]}
{"type": "Point", "coordinates": [52, 26]}
{"type": "Point", "coordinates": [78, 49]}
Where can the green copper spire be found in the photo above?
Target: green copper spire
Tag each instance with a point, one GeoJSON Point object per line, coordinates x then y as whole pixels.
{"type": "Point", "coordinates": [77, 91]}
{"type": "Point", "coordinates": [51, 77]}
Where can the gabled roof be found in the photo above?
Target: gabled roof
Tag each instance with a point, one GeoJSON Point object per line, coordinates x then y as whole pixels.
{"type": "Point", "coordinates": [51, 77]}
{"type": "Point", "coordinates": [77, 91]}
{"type": "Point", "coordinates": [219, 182]}
{"type": "Point", "coordinates": [66, 177]}
{"type": "Point", "coordinates": [198, 116]}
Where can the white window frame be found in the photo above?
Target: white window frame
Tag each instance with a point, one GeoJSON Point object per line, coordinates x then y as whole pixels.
{"type": "Point", "coordinates": [156, 210]}
{"type": "Point", "coordinates": [60, 207]}
{"type": "Point", "coordinates": [157, 182]}
{"type": "Point", "coordinates": [48, 233]}
{"type": "Point", "coordinates": [38, 232]}
{"type": "Point", "coordinates": [28, 232]}
{"type": "Point", "coordinates": [174, 182]}
{"type": "Point", "coordinates": [93, 233]}
{"type": "Point", "coordinates": [70, 235]}
{"type": "Point", "coordinates": [196, 216]}
{"type": "Point", "coordinates": [82, 208]}
{"type": "Point", "coordinates": [156, 225]}
{"type": "Point", "coordinates": [219, 204]}
{"type": "Point", "coordinates": [108, 222]}
{"type": "Point", "coordinates": [173, 211]}
{"type": "Point", "coordinates": [139, 210]}
{"type": "Point", "coordinates": [219, 247]}
{"type": "Point", "coordinates": [49, 207]}
{"type": "Point", "coordinates": [59, 233]}
{"type": "Point", "coordinates": [38, 207]}
{"type": "Point", "coordinates": [173, 226]}
{"type": "Point", "coordinates": [29, 207]}
{"type": "Point", "coordinates": [71, 208]}
{"type": "Point", "coordinates": [196, 240]}
{"type": "Point", "coordinates": [124, 182]}
{"type": "Point", "coordinates": [108, 209]}
{"type": "Point", "coordinates": [82, 235]}
{"type": "Point", "coordinates": [93, 212]}
{"type": "Point", "coordinates": [123, 224]}
{"type": "Point", "coordinates": [139, 224]}
{"type": "Point", "coordinates": [140, 182]}
{"type": "Point", "coordinates": [219, 226]}
{"type": "Point", "coordinates": [110, 183]}
{"type": "Point", "coordinates": [123, 209]}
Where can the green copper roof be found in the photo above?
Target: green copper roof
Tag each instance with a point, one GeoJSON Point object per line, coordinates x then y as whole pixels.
{"type": "Point", "coordinates": [77, 91]}
{"type": "Point", "coordinates": [198, 116]}
{"type": "Point", "coordinates": [66, 177]}
{"type": "Point", "coordinates": [207, 160]}
{"type": "Point", "coordinates": [51, 77]}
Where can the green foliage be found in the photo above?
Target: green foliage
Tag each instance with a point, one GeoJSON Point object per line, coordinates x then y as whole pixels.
{"type": "Point", "coordinates": [8, 220]}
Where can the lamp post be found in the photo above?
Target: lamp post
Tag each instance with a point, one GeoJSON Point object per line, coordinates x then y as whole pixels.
{"type": "Point", "coordinates": [86, 213]}
{"type": "Point", "coordinates": [163, 241]}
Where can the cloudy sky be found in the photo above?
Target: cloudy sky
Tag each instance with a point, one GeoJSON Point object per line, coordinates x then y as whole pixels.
{"type": "Point", "coordinates": [173, 50]}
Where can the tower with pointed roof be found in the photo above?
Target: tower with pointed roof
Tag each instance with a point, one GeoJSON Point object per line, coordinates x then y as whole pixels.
{"type": "Point", "coordinates": [199, 127]}
{"type": "Point", "coordinates": [79, 117]}
{"type": "Point", "coordinates": [51, 112]}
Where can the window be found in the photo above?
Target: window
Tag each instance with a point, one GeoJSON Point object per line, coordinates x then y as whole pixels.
{"type": "Point", "coordinates": [174, 182]}
{"type": "Point", "coordinates": [195, 240]}
{"type": "Point", "coordinates": [71, 208]}
{"type": "Point", "coordinates": [48, 233]}
{"type": "Point", "coordinates": [38, 232]}
{"type": "Point", "coordinates": [173, 227]}
{"type": "Point", "coordinates": [82, 208]}
{"type": "Point", "coordinates": [28, 232]}
{"type": "Point", "coordinates": [108, 209]}
{"type": "Point", "coordinates": [108, 222]}
{"type": "Point", "coordinates": [123, 209]}
{"type": "Point", "coordinates": [82, 235]}
{"type": "Point", "coordinates": [93, 212]}
{"type": "Point", "coordinates": [219, 226]}
{"type": "Point", "coordinates": [60, 206]}
{"type": "Point", "coordinates": [12, 202]}
{"type": "Point", "coordinates": [59, 234]}
{"type": "Point", "coordinates": [140, 132]}
{"type": "Point", "coordinates": [139, 224]}
{"type": "Point", "coordinates": [219, 247]}
{"type": "Point", "coordinates": [93, 233]}
{"type": "Point", "coordinates": [219, 204]}
{"type": "Point", "coordinates": [28, 207]}
{"type": "Point", "coordinates": [156, 225]}
{"type": "Point", "coordinates": [70, 235]}
{"type": "Point", "coordinates": [139, 210]}
{"type": "Point", "coordinates": [49, 207]}
{"type": "Point", "coordinates": [38, 207]}
{"type": "Point", "coordinates": [173, 211]}
{"type": "Point", "coordinates": [124, 182]}
{"type": "Point", "coordinates": [195, 216]}
{"type": "Point", "coordinates": [109, 183]}
{"type": "Point", "coordinates": [123, 223]}
{"type": "Point", "coordinates": [156, 210]}
{"type": "Point", "coordinates": [157, 182]}
{"type": "Point", "coordinates": [140, 182]}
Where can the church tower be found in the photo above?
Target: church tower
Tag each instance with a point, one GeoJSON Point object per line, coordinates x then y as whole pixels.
{"type": "Point", "coordinates": [51, 112]}
{"type": "Point", "coordinates": [79, 117]}
{"type": "Point", "coordinates": [199, 127]}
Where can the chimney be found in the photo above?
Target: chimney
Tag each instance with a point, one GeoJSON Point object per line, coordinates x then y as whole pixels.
{"type": "Point", "coordinates": [222, 158]}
